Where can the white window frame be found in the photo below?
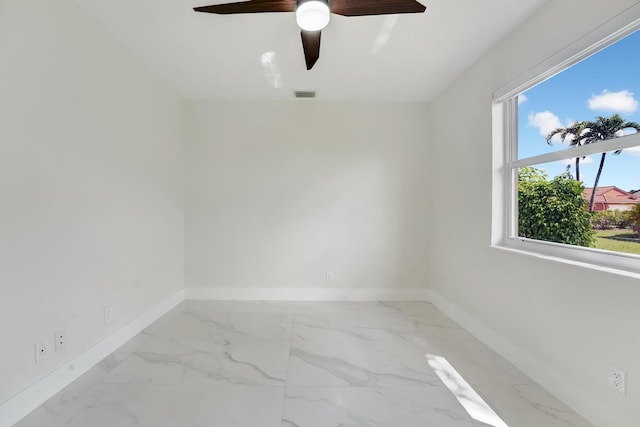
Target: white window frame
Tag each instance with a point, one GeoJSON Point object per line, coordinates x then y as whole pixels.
{"type": "Point", "coordinates": [505, 104]}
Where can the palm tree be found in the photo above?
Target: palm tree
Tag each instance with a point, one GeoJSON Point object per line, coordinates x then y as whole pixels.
{"type": "Point", "coordinates": [602, 129]}
{"type": "Point", "coordinates": [573, 134]}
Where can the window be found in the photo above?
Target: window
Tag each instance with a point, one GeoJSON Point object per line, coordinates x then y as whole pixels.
{"type": "Point", "coordinates": [572, 151]}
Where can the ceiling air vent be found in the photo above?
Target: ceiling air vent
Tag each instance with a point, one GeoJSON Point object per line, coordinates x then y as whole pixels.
{"type": "Point", "coordinates": [305, 93]}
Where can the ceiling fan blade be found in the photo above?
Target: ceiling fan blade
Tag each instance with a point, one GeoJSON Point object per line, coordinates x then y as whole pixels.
{"type": "Point", "coordinates": [375, 7]}
{"type": "Point", "coordinates": [311, 46]}
{"type": "Point", "coordinates": [251, 6]}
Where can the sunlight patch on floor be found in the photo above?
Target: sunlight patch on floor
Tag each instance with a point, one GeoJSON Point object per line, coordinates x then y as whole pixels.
{"type": "Point", "coordinates": [471, 401]}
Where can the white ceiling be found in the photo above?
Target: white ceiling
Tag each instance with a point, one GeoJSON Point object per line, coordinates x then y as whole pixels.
{"type": "Point", "coordinates": [407, 58]}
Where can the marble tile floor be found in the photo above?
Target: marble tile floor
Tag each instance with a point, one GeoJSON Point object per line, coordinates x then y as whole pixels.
{"type": "Point", "coordinates": [300, 364]}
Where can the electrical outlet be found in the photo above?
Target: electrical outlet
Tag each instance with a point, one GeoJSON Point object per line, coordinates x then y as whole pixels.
{"type": "Point", "coordinates": [108, 315]}
{"type": "Point", "coordinates": [329, 277]}
{"type": "Point", "coordinates": [618, 380]}
{"type": "Point", "coordinates": [59, 340]}
{"type": "Point", "coordinates": [42, 350]}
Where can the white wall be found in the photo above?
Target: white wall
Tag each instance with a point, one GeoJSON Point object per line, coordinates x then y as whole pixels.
{"type": "Point", "coordinates": [279, 193]}
{"type": "Point", "coordinates": [91, 203]}
{"type": "Point", "coordinates": [91, 186]}
{"type": "Point", "coordinates": [563, 324]}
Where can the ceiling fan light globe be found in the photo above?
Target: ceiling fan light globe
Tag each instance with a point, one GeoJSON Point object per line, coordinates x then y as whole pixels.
{"type": "Point", "coordinates": [313, 15]}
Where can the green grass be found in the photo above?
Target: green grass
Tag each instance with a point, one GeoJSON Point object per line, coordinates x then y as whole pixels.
{"type": "Point", "coordinates": [605, 240]}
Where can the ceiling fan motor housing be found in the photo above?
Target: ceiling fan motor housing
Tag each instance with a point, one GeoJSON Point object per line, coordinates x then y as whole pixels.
{"type": "Point", "coordinates": [327, 2]}
{"type": "Point", "coordinates": [313, 15]}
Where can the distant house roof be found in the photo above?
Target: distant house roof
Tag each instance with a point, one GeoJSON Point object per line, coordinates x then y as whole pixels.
{"type": "Point", "coordinates": [635, 193]}
{"type": "Point", "coordinates": [612, 195]}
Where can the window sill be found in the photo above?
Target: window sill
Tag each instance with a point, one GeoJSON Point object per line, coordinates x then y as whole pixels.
{"type": "Point", "coordinates": [617, 271]}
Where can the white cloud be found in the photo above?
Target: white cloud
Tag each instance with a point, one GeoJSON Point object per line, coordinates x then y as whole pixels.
{"type": "Point", "coordinates": [587, 160]}
{"type": "Point", "coordinates": [625, 132]}
{"type": "Point", "coordinates": [545, 121]}
{"type": "Point", "coordinates": [522, 99]}
{"type": "Point", "coordinates": [633, 150]}
{"type": "Point", "coordinates": [571, 163]}
{"type": "Point", "coordinates": [617, 102]}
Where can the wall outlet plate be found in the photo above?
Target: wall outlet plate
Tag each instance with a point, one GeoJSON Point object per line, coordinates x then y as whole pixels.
{"type": "Point", "coordinates": [42, 350]}
{"type": "Point", "coordinates": [618, 380]}
{"type": "Point", "coordinates": [59, 338]}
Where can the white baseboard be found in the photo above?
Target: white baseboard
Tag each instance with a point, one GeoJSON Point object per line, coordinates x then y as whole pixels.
{"type": "Point", "coordinates": [306, 294]}
{"type": "Point", "coordinates": [16, 408]}
{"type": "Point", "coordinates": [573, 396]}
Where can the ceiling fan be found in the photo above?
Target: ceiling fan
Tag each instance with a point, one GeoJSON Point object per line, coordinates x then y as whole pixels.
{"type": "Point", "coordinates": [313, 15]}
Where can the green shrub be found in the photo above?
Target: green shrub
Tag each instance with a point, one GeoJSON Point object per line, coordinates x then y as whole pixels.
{"type": "Point", "coordinates": [601, 220]}
{"type": "Point", "coordinates": [552, 210]}
{"type": "Point", "coordinates": [605, 220]}
{"type": "Point", "coordinates": [635, 218]}
{"type": "Point", "coordinates": [626, 220]}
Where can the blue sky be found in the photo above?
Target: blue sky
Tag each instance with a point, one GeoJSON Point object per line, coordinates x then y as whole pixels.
{"type": "Point", "coordinates": [602, 85]}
